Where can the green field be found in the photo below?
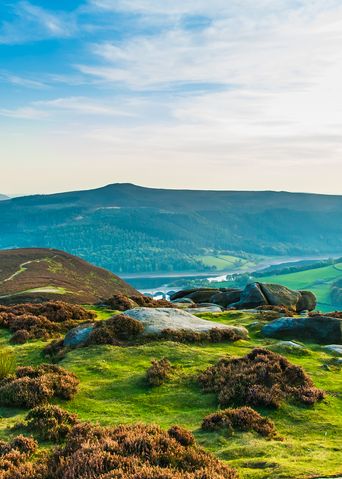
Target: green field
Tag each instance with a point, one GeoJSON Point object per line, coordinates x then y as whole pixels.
{"type": "Point", "coordinates": [224, 262]}
{"type": "Point", "coordinates": [113, 390]}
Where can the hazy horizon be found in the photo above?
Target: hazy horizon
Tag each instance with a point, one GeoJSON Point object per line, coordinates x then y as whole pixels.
{"type": "Point", "coordinates": [240, 95]}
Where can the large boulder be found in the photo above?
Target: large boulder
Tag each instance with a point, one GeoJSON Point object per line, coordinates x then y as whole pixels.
{"type": "Point", "coordinates": [251, 297]}
{"type": "Point", "coordinates": [78, 336]}
{"type": "Point", "coordinates": [277, 295]}
{"type": "Point", "coordinates": [307, 301]}
{"type": "Point", "coordinates": [226, 298]}
{"type": "Point", "coordinates": [262, 294]}
{"type": "Point", "coordinates": [158, 319]}
{"type": "Point", "coordinates": [321, 329]}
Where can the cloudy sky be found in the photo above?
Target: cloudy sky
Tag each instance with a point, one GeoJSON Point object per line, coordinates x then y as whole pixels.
{"type": "Point", "coordinates": [214, 94]}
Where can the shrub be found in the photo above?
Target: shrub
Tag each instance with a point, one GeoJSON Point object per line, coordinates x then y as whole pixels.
{"type": "Point", "coordinates": [41, 321]}
{"type": "Point", "coordinates": [214, 335]}
{"type": "Point", "coordinates": [261, 378]}
{"type": "Point", "coordinates": [332, 314]}
{"type": "Point", "coordinates": [111, 331]}
{"type": "Point", "coordinates": [132, 452]}
{"type": "Point", "coordinates": [14, 459]}
{"type": "Point", "coordinates": [183, 436]}
{"type": "Point", "coordinates": [242, 419]}
{"type": "Point", "coordinates": [55, 350]}
{"type": "Point", "coordinates": [147, 302]}
{"type": "Point", "coordinates": [284, 310]}
{"type": "Point", "coordinates": [49, 422]}
{"type": "Point", "coordinates": [31, 386]}
{"type": "Point", "coordinates": [120, 302]}
{"type": "Point", "coordinates": [159, 372]}
{"type": "Point", "coordinates": [7, 364]}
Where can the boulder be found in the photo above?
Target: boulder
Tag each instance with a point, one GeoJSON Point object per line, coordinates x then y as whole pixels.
{"type": "Point", "coordinates": [157, 319]}
{"type": "Point", "coordinates": [307, 301]}
{"type": "Point", "coordinates": [277, 295]}
{"type": "Point", "coordinates": [251, 297]}
{"type": "Point", "coordinates": [226, 298]}
{"type": "Point", "coordinates": [334, 349]}
{"type": "Point", "coordinates": [185, 293]}
{"type": "Point", "coordinates": [204, 309]}
{"type": "Point", "coordinates": [78, 336]}
{"type": "Point", "coordinates": [183, 300]}
{"type": "Point", "coordinates": [321, 329]}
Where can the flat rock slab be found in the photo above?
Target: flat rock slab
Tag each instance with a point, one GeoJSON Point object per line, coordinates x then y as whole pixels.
{"type": "Point", "coordinates": [204, 309]}
{"type": "Point", "coordinates": [156, 320]}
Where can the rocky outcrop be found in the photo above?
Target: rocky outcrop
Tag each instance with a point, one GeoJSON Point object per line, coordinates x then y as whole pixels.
{"type": "Point", "coordinates": [158, 319]}
{"type": "Point", "coordinates": [253, 296]}
{"type": "Point", "coordinates": [321, 329]}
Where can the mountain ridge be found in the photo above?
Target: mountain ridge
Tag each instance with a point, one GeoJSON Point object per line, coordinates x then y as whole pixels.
{"type": "Point", "coordinates": [128, 228]}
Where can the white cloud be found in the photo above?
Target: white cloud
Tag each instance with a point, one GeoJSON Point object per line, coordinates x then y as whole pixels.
{"type": "Point", "coordinates": [25, 113]}
{"type": "Point", "coordinates": [32, 23]}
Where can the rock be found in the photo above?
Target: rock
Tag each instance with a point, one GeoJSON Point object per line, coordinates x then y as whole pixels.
{"type": "Point", "coordinates": [157, 319]}
{"type": "Point", "coordinates": [186, 293]}
{"type": "Point", "coordinates": [277, 295]}
{"type": "Point", "coordinates": [78, 336]}
{"type": "Point", "coordinates": [204, 309]}
{"type": "Point", "coordinates": [226, 298]}
{"type": "Point", "coordinates": [251, 297]}
{"type": "Point", "coordinates": [307, 301]}
{"type": "Point", "coordinates": [202, 296]}
{"type": "Point", "coordinates": [321, 329]}
{"type": "Point", "coordinates": [183, 300]}
{"type": "Point", "coordinates": [261, 294]}
{"type": "Point", "coordinates": [334, 348]}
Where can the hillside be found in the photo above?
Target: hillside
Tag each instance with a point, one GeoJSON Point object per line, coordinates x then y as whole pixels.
{"type": "Point", "coordinates": [3, 197]}
{"type": "Point", "coordinates": [126, 228]}
{"type": "Point", "coordinates": [44, 274]}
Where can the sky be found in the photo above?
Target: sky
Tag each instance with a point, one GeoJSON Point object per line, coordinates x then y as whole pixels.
{"type": "Point", "coordinates": [195, 94]}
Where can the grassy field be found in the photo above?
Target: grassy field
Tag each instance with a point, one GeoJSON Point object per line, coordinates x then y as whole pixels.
{"type": "Point", "coordinates": [113, 390]}
{"type": "Point", "coordinates": [230, 263]}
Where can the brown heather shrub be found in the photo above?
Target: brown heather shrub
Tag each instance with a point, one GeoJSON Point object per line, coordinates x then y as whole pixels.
{"type": "Point", "coordinates": [261, 378]}
{"type": "Point", "coordinates": [183, 436]}
{"type": "Point", "coordinates": [55, 350]}
{"type": "Point", "coordinates": [159, 372]}
{"type": "Point", "coordinates": [50, 423]}
{"type": "Point", "coordinates": [148, 302]}
{"type": "Point", "coordinates": [241, 419]}
{"type": "Point", "coordinates": [215, 335]}
{"type": "Point", "coordinates": [132, 452]}
{"type": "Point", "coordinates": [41, 321]}
{"type": "Point", "coordinates": [31, 386]}
{"type": "Point", "coordinates": [15, 456]}
{"type": "Point", "coordinates": [332, 314]}
{"type": "Point", "coordinates": [114, 329]}
{"type": "Point", "coordinates": [278, 309]}
{"type": "Point", "coordinates": [120, 302]}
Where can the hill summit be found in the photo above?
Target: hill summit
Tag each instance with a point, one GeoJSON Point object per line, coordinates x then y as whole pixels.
{"type": "Point", "coordinates": [39, 274]}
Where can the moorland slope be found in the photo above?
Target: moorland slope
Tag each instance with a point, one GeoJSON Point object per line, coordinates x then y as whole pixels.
{"type": "Point", "coordinates": [38, 274]}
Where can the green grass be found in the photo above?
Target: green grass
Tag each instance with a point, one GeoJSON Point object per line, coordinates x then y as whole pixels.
{"type": "Point", "coordinates": [227, 262]}
{"type": "Point", "coordinates": [113, 390]}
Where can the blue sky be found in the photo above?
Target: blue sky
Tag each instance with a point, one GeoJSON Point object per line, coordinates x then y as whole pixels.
{"type": "Point", "coordinates": [190, 94]}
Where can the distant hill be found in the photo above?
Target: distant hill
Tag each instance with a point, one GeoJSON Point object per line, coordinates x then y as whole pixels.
{"type": "Point", "coordinates": [39, 274]}
{"type": "Point", "coordinates": [3, 197]}
{"type": "Point", "coordinates": [127, 228]}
